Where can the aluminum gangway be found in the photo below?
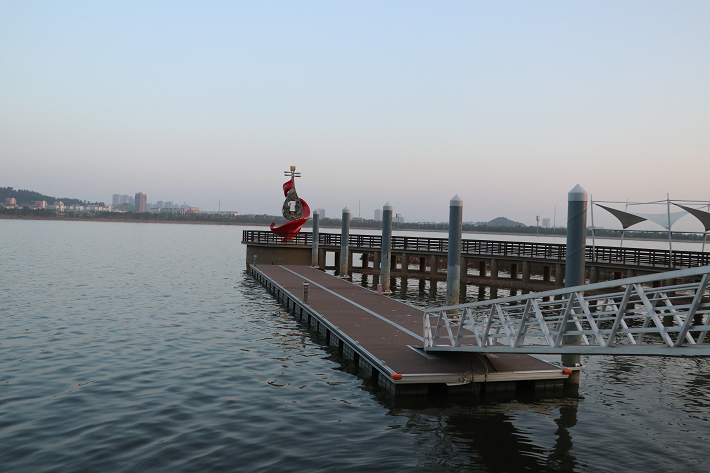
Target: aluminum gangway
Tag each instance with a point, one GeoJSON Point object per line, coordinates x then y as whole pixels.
{"type": "Point", "coordinates": [664, 314]}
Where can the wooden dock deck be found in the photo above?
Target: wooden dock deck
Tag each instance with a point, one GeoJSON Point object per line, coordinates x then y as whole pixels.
{"type": "Point", "coordinates": [382, 338]}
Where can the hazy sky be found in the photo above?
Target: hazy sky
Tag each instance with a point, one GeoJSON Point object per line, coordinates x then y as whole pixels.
{"type": "Point", "coordinates": [508, 104]}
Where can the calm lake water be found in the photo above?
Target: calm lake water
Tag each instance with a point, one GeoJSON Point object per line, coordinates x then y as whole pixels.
{"type": "Point", "coordinates": [146, 347]}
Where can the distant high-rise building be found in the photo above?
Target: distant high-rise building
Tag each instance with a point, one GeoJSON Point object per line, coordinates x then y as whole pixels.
{"type": "Point", "coordinates": [378, 215]}
{"type": "Point", "coordinates": [141, 202]}
{"type": "Point", "coordinates": [322, 213]}
{"type": "Point", "coordinates": [159, 203]}
{"type": "Point", "coordinates": [40, 204]}
{"type": "Point", "coordinates": [168, 204]}
{"type": "Point", "coordinates": [546, 222]}
{"type": "Point", "coordinates": [123, 199]}
{"type": "Point", "coordinates": [116, 198]}
{"type": "Point", "coordinates": [131, 200]}
{"type": "Point", "coordinates": [10, 201]}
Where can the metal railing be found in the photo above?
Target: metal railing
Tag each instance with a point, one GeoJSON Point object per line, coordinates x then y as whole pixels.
{"type": "Point", "coordinates": [621, 317]}
{"type": "Point", "coordinates": [643, 257]}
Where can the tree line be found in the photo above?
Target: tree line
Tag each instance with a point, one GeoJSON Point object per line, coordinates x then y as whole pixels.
{"type": "Point", "coordinates": [264, 219]}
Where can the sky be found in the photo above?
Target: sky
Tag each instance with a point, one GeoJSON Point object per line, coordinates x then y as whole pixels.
{"type": "Point", "coordinates": [507, 104]}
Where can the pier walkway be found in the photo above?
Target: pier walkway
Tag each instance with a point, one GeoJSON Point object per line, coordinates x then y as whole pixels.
{"type": "Point", "coordinates": [522, 262]}
{"type": "Point", "coordinates": [383, 338]}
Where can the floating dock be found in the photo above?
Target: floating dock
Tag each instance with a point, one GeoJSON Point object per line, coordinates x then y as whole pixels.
{"type": "Point", "coordinates": [382, 338]}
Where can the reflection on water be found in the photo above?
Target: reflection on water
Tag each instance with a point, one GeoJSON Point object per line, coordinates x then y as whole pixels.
{"type": "Point", "coordinates": [166, 356]}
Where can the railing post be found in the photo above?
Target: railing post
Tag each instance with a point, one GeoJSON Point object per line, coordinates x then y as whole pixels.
{"type": "Point", "coordinates": [574, 262]}
{"type": "Point", "coordinates": [344, 241]}
{"type": "Point", "coordinates": [453, 265]}
{"type": "Point", "coordinates": [314, 250]}
{"type": "Point", "coordinates": [386, 256]}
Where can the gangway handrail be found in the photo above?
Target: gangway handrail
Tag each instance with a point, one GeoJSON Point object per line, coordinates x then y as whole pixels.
{"type": "Point", "coordinates": [620, 317]}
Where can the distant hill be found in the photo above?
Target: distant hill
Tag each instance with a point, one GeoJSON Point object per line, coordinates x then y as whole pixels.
{"type": "Point", "coordinates": [27, 197]}
{"type": "Point", "coordinates": [504, 222]}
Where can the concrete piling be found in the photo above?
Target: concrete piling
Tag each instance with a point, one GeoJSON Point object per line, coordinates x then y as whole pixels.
{"type": "Point", "coordinates": [526, 271]}
{"type": "Point", "coordinates": [314, 251]}
{"type": "Point", "coordinates": [386, 256]}
{"type": "Point", "coordinates": [575, 262]}
{"type": "Point", "coordinates": [514, 270]}
{"type": "Point", "coordinates": [344, 240]}
{"type": "Point", "coordinates": [453, 265]}
{"type": "Point", "coordinates": [593, 275]}
{"type": "Point", "coordinates": [559, 275]}
{"type": "Point", "coordinates": [433, 265]}
{"type": "Point", "coordinates": [546, 273]}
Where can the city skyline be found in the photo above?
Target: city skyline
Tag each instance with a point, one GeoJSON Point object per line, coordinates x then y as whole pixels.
{"type": "Point", "coordinates": [507, 105]}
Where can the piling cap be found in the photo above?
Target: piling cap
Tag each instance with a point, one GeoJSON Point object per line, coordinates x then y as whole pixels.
{"type": "Point", "coordinates": [387, 206]}
{"type": "Point", "coordinates": [577, 194]}
{"type": "Point", "coordinates": [456, 201]}
{"type": "Point", "coordinates": [316, 212]}
{"type": "Point", "coordinates": [346, 210]}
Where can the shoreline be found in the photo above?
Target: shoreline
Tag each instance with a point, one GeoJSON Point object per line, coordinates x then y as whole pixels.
{"type": "Point", "coordinates": [242, 224]}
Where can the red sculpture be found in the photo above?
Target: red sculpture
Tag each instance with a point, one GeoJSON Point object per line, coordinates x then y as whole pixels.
{"type": "Point", "coordinates": [294, 209]}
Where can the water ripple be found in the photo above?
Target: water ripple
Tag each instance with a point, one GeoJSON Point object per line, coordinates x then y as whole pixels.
{"type": "Point", "coordinates": [127, 347]}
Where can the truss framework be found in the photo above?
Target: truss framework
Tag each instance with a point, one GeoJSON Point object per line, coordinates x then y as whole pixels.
{"type": "Point", "coordinates": [621, 317]}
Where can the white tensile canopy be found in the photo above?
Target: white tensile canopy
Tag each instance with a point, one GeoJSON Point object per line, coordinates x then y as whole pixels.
{"type": "Point", "coordinates": [666, 219]}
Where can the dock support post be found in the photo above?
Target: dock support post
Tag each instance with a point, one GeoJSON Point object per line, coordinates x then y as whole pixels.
{"type": "Point", "coordinates": [574, 267]}
{"type": "Point", "coordinates": [422, 264]}
{"type": "Point", "coordinates": [314, 251]}
{"type": "Point", "coordinates": [514, 270]}
{"type": "Point", "coordinates": [546, 273]}
{"type": "Point", "coordinates": [526, 271]}
{"type": "Point", "coordinates": [559, 275]}
{"type": "Point", "coordinates": [453, 264]}
{"type": "Point", "coordinates": [386, 257]}
{"type": "Point", "coordinates": [344, 240]}
{"type": "Point", "coordinates": [376, 260]}
{"type": "Point", "coordinates": [405, 262]}
{"type": "Point", "coordinates": [433, 265]}
{"type": "Point", "coordinates": [483, 269]}
{"type": "Point", "coordinates": [593, 275]}
{"type": "Point", "coordinates": [494, 269]}
{"type": "Point", "coordinates": [321, 258]}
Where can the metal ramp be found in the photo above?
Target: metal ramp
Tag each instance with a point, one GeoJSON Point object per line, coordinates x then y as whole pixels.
{"type": "Point", "coordinates": [620, 317]}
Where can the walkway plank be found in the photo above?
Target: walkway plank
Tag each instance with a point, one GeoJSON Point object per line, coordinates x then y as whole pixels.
{"type": "Point", "coordinates": [388, 329]}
